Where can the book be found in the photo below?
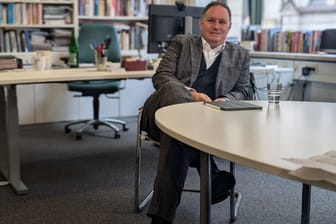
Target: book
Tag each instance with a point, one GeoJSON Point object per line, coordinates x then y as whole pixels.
{"type": "Point", "coordinates": [26, 38]}
{"type": "Point", "coordinates": [1, 15]}
{"type": "Point", "coordinates": [23, 42]}
{"type": "Point", "coordinates": [13, 41]}
{"type": "Point", "coordinates": [10, 13]}
{"type": "Point", "coordinates": [18, 40]}
{"type": "Point", "coordinates": [271, 38]}
{"type": "Point", "coordinates": [4, 15]}
{"type": "Point", "coordinates": [232, 105]}
{"type": "Point", "coordinates": [7, 43]}
{"type": "Point", "coordinates": [2, 40]}
{"type": "Point", "coordinates": [8, 62]}
{"type": "Point", "coordinates": [61, 33]}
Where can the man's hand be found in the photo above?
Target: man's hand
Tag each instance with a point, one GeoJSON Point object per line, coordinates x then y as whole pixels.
{"type": "Point", "coordinates": [222, 99]}
{"type": "Point", "coordinates": [200, 97]}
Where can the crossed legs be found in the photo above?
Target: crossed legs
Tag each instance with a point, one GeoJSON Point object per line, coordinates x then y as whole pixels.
{"type": "Point", "coordinates": [175, 159]}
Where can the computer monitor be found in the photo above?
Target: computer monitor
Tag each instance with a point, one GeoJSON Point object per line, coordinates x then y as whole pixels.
{"type": "Point", "coordinates": [165, 21]}
{"type": "Point", "coordinates": [328, 43]}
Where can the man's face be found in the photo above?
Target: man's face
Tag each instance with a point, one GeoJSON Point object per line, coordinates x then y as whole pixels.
{"type": "Point", "coordinates": [215, 25]}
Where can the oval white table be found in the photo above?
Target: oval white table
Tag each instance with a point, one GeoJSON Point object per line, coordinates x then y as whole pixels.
{"type": "Point", "coordinates": [260, 139]}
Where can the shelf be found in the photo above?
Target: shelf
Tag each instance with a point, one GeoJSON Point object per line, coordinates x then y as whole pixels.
{"type": "Point", "coordinates": [24, 17]}
{"type": "Point", "coordinates": [63, 2]}
{"type": "Point", "coordinates": [38, 26]}
{"type": "Point", "coordinates": [123, 19]}
{"type": "Point", "coordinates": [124, 24]}
{"type": "Point", "coordinates": [294, 56]}
{"type": "Point", "coordinates": [27, 57]}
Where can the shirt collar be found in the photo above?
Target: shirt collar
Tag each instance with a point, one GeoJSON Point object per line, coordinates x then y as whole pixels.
{"type": "Point", "coordinates": [206, 46]}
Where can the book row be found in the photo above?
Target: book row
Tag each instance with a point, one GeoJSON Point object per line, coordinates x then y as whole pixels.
{"type": "Point", "coordinates": [276, 40]}
{"type": "Point", "coordinates": [289, 41]}
{"type": "Point", "coordinates": [113, 7]}
{"type": "Point", "coordinates": [131, 38]}
{"type": "Point", "coordinates": [34, 13]}
{"type": "Point", "coordinates": [56, 39]}
{"type": "Point", "coordinates": [28, 40]}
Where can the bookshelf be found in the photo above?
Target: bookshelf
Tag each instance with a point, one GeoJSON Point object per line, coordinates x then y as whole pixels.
{"type": "Point", "coordinates": [129, 18]}
{"type": "Point", "coordinates": [22, 19]}
{"type": "Point", "coordinates": [27, 26]}
{"type": "Point", "coordinates": [278, 40]}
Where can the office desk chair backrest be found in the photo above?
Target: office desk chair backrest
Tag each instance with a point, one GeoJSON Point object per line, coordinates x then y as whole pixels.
{"type": "Point", "coordinates": [97, 32]}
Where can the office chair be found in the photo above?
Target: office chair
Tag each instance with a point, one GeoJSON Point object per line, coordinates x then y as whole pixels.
{"type": "Point", "coordinates": [142, 136]}
{"type": "Point", "coordinates": [88, 33]}
{"type": "Point", "coordinates": [139, 205]}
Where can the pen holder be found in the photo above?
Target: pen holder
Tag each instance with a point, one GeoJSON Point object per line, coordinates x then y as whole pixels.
{"type": "Point", "coordinates": [100, 60]}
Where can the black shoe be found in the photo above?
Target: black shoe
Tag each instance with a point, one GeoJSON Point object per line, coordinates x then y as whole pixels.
{"type": "Point", "coordinates": [222, 183]}
{"type": "Point", "coordinates": [158, 220]}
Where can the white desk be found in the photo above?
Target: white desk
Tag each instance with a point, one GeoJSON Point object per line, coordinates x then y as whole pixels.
{"type": "Point", "coordinates": [258, 139]}
{"type": "Point", "coordinates": [9, 152]}
{"type": "Point", "coordinates": [269, 69]}
{"type": "Point", "coordinates": [262, 74]}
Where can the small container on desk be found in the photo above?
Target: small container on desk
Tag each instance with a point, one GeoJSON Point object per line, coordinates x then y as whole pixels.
{"type": "Point", "coordinates": [100, 59]}
{"type": "Point", "coordinates": [133, 64]}
{"type": "Point", "coordinates": [274, 87]}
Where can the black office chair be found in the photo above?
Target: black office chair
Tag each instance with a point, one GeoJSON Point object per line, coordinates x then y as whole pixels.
{"type": "Point", "coordinates": [88, 33]}
{"type": "Point", "coordinates": [140, 204]}
{"type": "Point", "coordinates": [142, 136]}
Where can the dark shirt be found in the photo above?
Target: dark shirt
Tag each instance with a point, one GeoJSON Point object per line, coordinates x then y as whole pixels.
{"type": "Point", "coordinates": [206, 79]}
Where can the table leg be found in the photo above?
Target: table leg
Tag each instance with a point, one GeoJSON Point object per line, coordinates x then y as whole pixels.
{"type": "Point", "coordinates": [9, 153]}
{"type": "Point", "coordinates": [3, 134]}
{"type": "Point", "coordinates": [205, 209]}
{"type": "Point", "coordinates": [305, 212]}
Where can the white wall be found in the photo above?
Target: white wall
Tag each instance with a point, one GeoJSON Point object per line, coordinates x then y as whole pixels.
{"type": "Point", "coordinates": [41, 103]}
{"type": "Point", "coordinates": [292, 20]}
{"type": "Point", "coordinates": [236, 7]}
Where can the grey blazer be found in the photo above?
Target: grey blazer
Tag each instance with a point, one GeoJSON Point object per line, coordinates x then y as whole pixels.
{"type": "Point", "coordinates": [181, 64]}
{"type": "Point", "coordinates": [179, 68]}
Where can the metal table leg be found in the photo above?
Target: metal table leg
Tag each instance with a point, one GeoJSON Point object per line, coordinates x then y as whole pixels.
{"type": "Point", "coordinates": [205, 209]}
{"type": "Point", "coordinates": [305, 212]}
{"type": "Point", "coordinates": [9, 152]}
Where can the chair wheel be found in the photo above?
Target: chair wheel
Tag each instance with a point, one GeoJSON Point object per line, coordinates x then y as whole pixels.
{"type": "Point", "coordinates": [125, 128]}
{"type": "Point", "coordinates": [67, 130]}
{"type": "Point", "coordinates": [95, 126]}
{"type": "Point", "coordinates": [116, 135]}
{"type": "Point", "coordinates": [78, 136]}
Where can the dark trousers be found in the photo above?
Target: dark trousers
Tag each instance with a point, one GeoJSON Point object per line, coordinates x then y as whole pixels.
{"type": "Point", "coordinates": [175, 157]}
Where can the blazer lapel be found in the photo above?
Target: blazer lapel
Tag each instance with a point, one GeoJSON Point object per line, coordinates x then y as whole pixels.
{"type": "Point", "coordinates": [222, 73]}
{"type": "Point", "coordinates": [196, 56]}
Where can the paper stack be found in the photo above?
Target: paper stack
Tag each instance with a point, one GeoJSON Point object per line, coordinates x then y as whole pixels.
{"type": "Point", "coordinates": [317, 168]}
{"type": "Point", "coordinates": [8, 62]}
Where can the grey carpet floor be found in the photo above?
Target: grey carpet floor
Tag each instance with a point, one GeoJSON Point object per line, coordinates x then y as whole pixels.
{"type": "Point", "coordinates": [92, 181]}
